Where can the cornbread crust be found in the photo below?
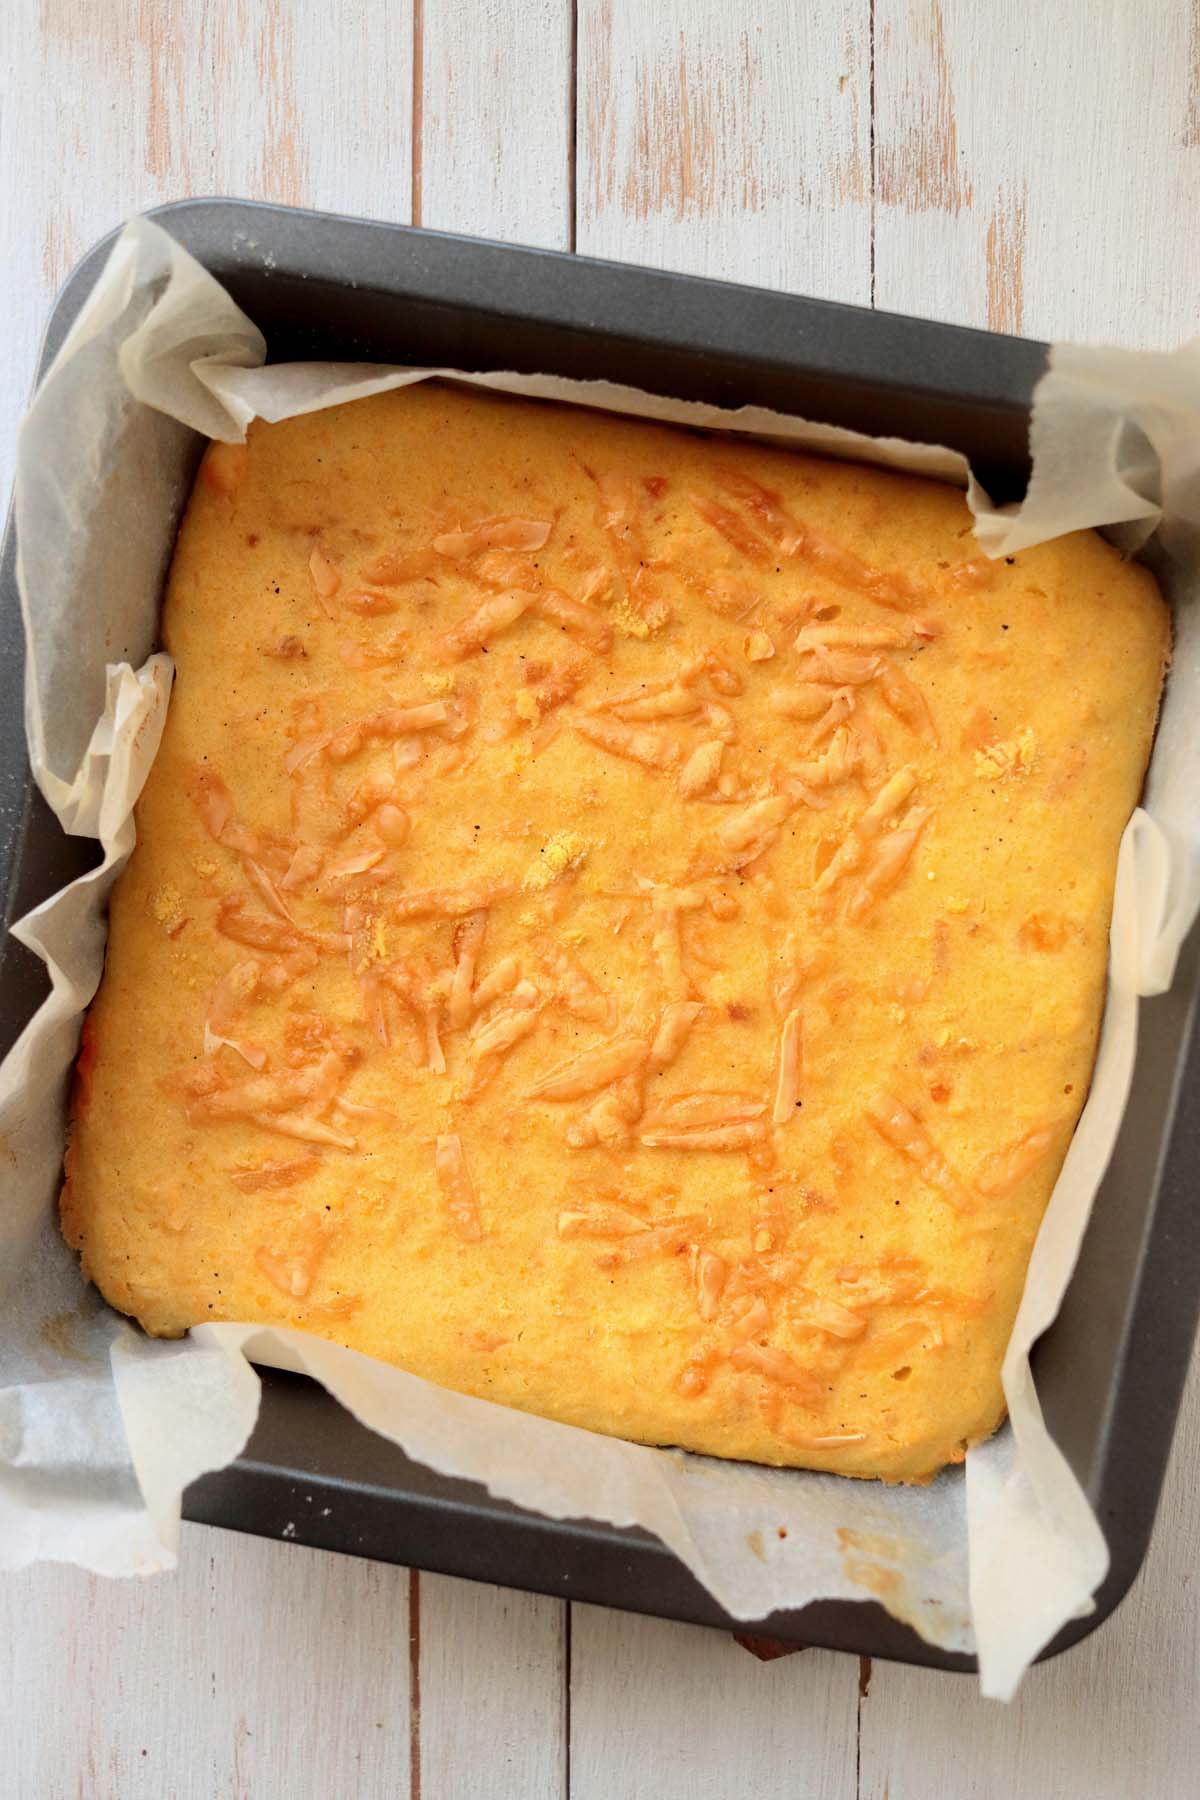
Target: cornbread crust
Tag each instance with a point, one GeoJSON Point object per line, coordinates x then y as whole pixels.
{"type": "Point", "coordinates": [618, 924]}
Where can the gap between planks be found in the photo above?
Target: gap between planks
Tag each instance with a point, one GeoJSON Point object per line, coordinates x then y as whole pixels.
{"type": "Point", "coordinates": [696, 1649]}
{"type": "Point", "coordinates": [478, 166]}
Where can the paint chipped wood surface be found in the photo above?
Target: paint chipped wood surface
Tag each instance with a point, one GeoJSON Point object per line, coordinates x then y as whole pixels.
{"type": "Point", "coordinates": [110, 106]}
{"type": "Point", "coordinates": [1030, 168]}
{"type": "Point", "coordinates": [230, 1679]}
{"type": "Point", "coordinates": [1034, 165]}
{"type": "Point", "coordinates": [661, 1711]}
{"type": "Point", "coordinates": [494, 116]}
{"type": "Point", "coordinates": [727, 140]}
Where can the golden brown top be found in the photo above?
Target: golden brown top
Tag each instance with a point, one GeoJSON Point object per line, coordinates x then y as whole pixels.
{"type": "Point", "coordinates": [649, 887]}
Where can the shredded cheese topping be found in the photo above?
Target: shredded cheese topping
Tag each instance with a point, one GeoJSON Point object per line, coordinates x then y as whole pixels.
{"type": "Point", "coordinates": [488, 970]}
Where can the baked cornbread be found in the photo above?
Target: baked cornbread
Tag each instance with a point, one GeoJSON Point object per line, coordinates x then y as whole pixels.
{"type": "Point", "coordinates": [618, 924]}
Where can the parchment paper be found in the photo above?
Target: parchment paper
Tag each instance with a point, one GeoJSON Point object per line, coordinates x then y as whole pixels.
{"type": "Point", "coordinates": [101, 1428]}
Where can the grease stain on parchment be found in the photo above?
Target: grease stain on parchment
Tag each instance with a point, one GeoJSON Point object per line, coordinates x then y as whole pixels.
{"type": "Point", "coordinates": [59, 1331]}
{"type": "Point", "coordinates": [881, 1565]}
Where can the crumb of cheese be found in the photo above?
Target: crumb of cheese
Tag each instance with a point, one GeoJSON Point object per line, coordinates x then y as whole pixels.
{"type": "Point", "coordinates": [525, 703]}
{"type": "Point", "coordinates": [515, 758]}
{"type": "Point", "coordinates": [628, 622]}
{"type": "Point", "coordinates": [1013, 756]}
{"type": "Point", "coordinates": [439, 681]}
{"type": "Point", "coordinates": [166, 903]}
{"type": "Point", "coordinates": [558, 854]}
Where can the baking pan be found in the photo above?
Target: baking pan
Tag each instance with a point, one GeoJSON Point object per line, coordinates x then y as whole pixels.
{"type": "Point", "coordinates": [1111, 1369]}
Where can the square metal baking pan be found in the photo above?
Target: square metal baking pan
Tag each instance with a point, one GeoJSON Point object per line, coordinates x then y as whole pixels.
{"type": "Point", "coordinates": [1111, 1370]}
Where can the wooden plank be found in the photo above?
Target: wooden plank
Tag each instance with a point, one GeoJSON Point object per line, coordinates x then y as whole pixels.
{"type": "Point", "coordinates": [207, 1682]}
{"type": "Point", "coordinates": [996, 206]}
{"type": "Point", "coordinates": [492, 1691]}
{"type": "Point", "coordinates": [491, 1665]}
{"type": "Point", "coordinates": [495, 120]}
{"type": "Point", "coordinates": [734, 143]}
{"type": "Point", "coordinates": [1115, 1716]}
{"type": "Point", "coordinates": [259, 1670]}
{"type": "Point", "coordinates": [729, 141]}
{"type": "Point", "coordinates": [1035, 167]}
{"type": "Point", "coordinates": [201, 97]}
{"type": "Point", "coordinates": [672, 1712]}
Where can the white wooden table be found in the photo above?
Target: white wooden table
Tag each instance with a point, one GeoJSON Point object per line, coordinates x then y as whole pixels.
{"type": "Point", "coordinates": [1033, 167]}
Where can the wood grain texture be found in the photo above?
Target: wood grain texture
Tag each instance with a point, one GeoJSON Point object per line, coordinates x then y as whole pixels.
{"type": "Point", "coordinates": [257, 1670]}
{"type": "Point", "coordinates": [1115, 1717]}
{"type": "Point", "coordinates": [492, 156]}
{"type": "Point", "coordinates": [200, 97]}
{"type": "Point", "coordinates": [735, 142]}
{"type": "Point", "coordinates": [1028, 180]}
{"type": "Point", "coordinates": [493, 1691]}
{"type": "Point", "coordinates": [496, 118]}
{"type": "Point", "coordinates": [670, 1712]}
{"type": "Point", "coordinates": [728, 140]}
{"type": "Point", "coordinates": [1035, 166]}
